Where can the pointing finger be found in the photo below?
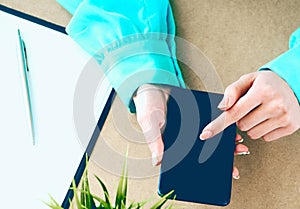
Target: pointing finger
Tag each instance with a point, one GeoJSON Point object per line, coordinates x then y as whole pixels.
{"type": "Point", "coordinates": [242, 107]}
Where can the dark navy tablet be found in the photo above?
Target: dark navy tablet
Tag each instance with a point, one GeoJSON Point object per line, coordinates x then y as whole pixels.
{"type": "Point", "coordinates": [198, 171]}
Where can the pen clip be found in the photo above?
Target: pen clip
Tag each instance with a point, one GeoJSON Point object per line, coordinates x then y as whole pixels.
{"type": "Point", "coordinates": [25, 54]}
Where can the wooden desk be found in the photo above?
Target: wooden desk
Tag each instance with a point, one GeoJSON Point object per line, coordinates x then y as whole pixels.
{"type": "Point", "coordinates": [238, 37]}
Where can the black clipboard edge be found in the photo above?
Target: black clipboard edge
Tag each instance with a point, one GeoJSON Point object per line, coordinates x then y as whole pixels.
{"type": "Point", "coordinates": [66, 204]}
{"type": "Point", "coordinates": [33, 19]}
{"type": "Point", "coordinates": [89, 149]}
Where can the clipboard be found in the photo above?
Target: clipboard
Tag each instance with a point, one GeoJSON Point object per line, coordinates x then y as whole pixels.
{"type": "Point", "coordinates": [197, 171]}
{"type": "Point", "coordinates": [57, 158]}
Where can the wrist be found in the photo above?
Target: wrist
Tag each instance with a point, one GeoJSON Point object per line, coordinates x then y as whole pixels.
{"type": "Point", "coordinates": [163, 89]}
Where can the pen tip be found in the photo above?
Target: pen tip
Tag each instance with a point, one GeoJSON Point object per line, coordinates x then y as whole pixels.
{"type": "Point", "coordinates": [33, 140]}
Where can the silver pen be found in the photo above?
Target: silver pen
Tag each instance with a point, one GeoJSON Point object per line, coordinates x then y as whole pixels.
{"type": "Point", "coordinates": [26, 74]}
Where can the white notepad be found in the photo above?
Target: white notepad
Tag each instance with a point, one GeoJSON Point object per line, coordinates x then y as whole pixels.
{"type": "Point", "coordinates": [30, 173]}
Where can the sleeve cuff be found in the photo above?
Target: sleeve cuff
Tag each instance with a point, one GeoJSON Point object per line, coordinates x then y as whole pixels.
{"type": "Point", "coordinates": [295, 39]}
{"type": "Point", "coordinates": [287, 66]}
{"type": "Point", "coordinates": [140, 62]}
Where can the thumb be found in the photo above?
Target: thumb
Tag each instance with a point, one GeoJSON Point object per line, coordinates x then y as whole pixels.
{"type": "Point", "coordinates": [236, 90]}
{"type": "Point", "coordinates": [151, 127]}
{"type": "Point", "coordinates": [157, 149]}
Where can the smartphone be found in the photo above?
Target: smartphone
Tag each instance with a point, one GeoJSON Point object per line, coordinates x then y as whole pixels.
{"type": "Point", "coordinates": [195, 170]}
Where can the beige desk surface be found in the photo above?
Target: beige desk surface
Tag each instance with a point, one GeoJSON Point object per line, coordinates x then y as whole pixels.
{"type": "Point", "coordinates": [238, 37]}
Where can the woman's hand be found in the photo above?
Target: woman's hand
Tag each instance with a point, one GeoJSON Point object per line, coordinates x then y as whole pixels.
{"type": "Point", "coordinates": [151, 108]}
{"type": "Point", "coordinates": [262, 104]}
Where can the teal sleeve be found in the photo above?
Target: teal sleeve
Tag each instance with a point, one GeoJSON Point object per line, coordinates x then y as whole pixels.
{"type": "Point", "coordinates": [287, 65]}
{"type": "Point", "coordinates": [133, 42]}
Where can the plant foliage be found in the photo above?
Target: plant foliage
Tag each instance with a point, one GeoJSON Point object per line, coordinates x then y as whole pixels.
{"type": "Point", "coordinates": [84, 199]}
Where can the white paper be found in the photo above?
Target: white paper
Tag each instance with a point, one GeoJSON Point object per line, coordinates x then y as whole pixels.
{"type": "Point", "coordinates": [30, 173]}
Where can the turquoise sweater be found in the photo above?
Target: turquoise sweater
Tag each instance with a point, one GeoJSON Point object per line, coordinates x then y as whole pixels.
{"type": "Point", "coordinates": [129, 39]}
{"type": "Point", "coordinates": [287, 65]}
{"type": "Point", "coordinates": [133, 41]}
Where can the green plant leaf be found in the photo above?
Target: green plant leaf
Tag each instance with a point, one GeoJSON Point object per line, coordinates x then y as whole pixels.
{"type": "Point", "coordinates": [87, 200]}
{"type": "Point", "coordinates": [84, 186]}
{"type": "Point", "coordinates": [108, 200]}
{"type": "Point", "coordinates": [82, 194]}
{"type": "Point", "coordinates": [137, 205]}
{"type": "Point", "coordinates": [75, 190]}
{"type": "Point", "coordinates": [122, 187]}
{"type": "Point", "coordinates": [131, 205]}
{"type": "Point", "coordinates": [105, 191]}
{"type": "Point", "coordinates": [102, 203]}
{"type": "Point", "coordinates": [53, 204]}
{"type": "Point", "coordinates": [71, 204]}
{"type": "Point", "coordinates": [169, 206]}
{"type": "Point", "coordinates": [162, 200]}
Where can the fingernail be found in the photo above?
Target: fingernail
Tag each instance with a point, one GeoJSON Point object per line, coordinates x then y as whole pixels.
{"type": "Point", "coordinates": [241, 140]}
{"type": "Point", "coordinates": [222, 104]}
{"type": "Point", "coordinates": [205, 135]}
{"type": "Point", "coordinates": [154, 159]}
{"type": "Point", "coordinates": [243, 153]}
{"type": "Point", "coordinates": [236, 177]}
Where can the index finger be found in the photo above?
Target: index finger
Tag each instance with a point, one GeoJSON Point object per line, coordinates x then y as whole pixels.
{"type": "Point", "coordinates": [242, 107]}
